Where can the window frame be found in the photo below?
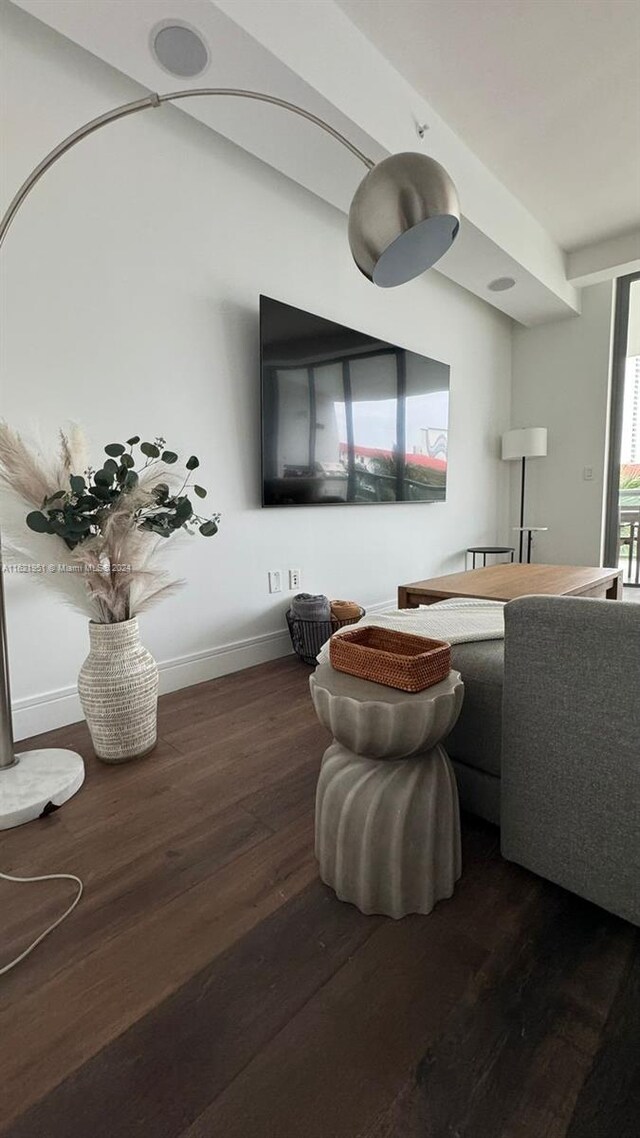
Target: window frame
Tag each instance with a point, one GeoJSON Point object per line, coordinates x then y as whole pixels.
{"type": "Point", "coordinates": [616, 411]}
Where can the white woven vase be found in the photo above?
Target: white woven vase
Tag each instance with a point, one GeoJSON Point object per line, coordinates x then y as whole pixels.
{"type": "Point", "coordinates": [118, 686]}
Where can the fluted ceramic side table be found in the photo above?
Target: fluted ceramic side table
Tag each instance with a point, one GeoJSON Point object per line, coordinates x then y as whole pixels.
{"type": "Point", "coordinates": [387, 816]}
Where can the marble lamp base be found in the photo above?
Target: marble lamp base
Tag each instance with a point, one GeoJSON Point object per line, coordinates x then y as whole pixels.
{"type": "Point", "coordinates": [39, 782]}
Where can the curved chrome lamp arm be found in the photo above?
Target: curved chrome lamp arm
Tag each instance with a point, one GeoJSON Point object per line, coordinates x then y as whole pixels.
{"type": "Point", "coordinates": [155, 100]}
{"type": "Point", "coordinates": [7, 757]}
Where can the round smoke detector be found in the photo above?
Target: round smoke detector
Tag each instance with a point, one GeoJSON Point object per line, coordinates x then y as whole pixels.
{"type": "Point", "coordinates": [179, 49]}
{"type": "Point", "coordinates": [501, 284]}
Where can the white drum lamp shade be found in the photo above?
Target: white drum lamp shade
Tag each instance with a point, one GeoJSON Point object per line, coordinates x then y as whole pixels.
{"type": "Point", "coordinates": [526, 442]}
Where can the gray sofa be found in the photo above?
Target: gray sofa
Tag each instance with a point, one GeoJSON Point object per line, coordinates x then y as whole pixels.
{"type": "Point", "coordinates": [475, 744]}
{"type": "Point", "coordinates": [548, 743]}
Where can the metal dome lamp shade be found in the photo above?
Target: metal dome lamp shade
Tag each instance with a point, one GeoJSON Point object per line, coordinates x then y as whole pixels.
{"type": "Point", "coordinates": [404, 216]}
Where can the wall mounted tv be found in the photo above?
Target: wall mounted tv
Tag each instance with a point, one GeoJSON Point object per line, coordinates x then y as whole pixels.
{"type": "Point", "coordinates": [347, 418]}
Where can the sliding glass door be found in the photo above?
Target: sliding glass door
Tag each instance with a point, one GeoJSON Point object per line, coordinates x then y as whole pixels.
{"type": "Point", "coordinates": [622, 538]}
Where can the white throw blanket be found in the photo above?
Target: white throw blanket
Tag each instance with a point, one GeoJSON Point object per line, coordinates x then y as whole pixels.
{"type": "Point", "coordinates": [459, 621]}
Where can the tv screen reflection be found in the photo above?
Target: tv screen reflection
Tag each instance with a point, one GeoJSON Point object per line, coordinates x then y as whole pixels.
{"type": "Point", "coordinates": [347, 418]}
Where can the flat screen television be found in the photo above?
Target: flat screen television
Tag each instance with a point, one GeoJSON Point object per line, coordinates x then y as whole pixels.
{"type": "Point", "coordinates": [347, 418]}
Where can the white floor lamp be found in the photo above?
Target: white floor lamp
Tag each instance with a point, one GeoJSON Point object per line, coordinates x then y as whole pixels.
{"type": "Point", "coordinates": [404, 216]}
{"type": "Point", "coordinates": [524, 443]}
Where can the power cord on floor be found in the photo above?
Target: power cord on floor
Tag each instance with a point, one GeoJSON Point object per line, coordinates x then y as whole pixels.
{"type": "Point", "coordinates": [38, 940]}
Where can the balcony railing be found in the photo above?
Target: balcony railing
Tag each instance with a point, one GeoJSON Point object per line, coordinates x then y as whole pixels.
{"type": "Point", "coordinates": [629, 536]}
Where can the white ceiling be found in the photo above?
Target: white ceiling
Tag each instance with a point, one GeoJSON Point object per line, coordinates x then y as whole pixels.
{"type": "Point", "coordinates": [310, 52]}
{"type": "Point", "coordinates": [546, 92]}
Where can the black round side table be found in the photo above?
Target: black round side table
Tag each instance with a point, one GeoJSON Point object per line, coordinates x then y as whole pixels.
{"type": "Point", "coordinates": [474, 550]}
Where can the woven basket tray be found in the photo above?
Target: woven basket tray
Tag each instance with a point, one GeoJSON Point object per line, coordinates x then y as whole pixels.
{"type": "Point", "coordinates": [396, 659]}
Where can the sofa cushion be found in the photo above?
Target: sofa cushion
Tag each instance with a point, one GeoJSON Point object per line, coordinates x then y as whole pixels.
{"type": "Point", "coordinates": [476, 737]}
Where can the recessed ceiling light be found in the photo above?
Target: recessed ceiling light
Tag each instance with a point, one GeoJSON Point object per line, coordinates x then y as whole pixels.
{"type": "Point", "coordinates": [501, 284]}
{"type": "Point", "coordinates": [180, 50]}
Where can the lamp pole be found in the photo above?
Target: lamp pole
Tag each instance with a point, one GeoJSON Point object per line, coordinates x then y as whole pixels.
{"type": "Point", "coordinates": [8, 758]}
{"type": "Point", "coordinates": [524, 468]}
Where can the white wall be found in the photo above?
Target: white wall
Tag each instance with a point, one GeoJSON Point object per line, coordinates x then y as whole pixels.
{"type": "Point", "coordinates": [130, 289]}
{"type": "Point", "coordinates": [561, 381]}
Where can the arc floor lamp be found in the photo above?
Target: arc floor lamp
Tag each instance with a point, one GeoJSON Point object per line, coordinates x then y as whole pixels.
{"type": "Point", "coordinates": [404, 216]}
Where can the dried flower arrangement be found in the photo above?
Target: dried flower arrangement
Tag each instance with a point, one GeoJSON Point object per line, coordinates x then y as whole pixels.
{"type": "Point", "coordinates": [108, 525]}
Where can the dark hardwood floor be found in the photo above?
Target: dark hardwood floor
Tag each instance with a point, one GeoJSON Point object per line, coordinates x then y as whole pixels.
{"type": "Point", "coordinates": [209, 986]}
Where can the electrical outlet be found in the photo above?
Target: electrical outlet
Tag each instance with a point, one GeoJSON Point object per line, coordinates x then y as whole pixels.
{"type": "Point", "coordinates": [275, 581]}
{"type": "Point", "coordinates": [294, 578]}
{"type": "Point", "coordinates": [587, 473]}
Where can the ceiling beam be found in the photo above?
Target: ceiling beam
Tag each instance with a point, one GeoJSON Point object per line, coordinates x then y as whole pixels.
{"type": "Point", "coordinates": [317, 39]}
{"type": "Point", "coordinates": [604, 260]}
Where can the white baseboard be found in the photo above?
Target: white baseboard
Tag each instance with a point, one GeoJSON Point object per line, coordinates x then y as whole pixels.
{"type": "Point", "coordinates": [58, 708]}
{"type": "Point", "coordinates": [37, 713]}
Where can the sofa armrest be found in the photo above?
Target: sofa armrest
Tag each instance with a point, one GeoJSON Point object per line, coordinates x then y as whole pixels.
{"type": "Point", "coordinates": [570, 805]}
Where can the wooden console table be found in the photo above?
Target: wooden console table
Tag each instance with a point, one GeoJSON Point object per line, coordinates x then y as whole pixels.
{"type": "Point", "coordinates": [506, 582]}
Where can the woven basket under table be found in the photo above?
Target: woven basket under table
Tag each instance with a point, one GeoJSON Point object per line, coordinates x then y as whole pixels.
{"type": "Point", "coordinates": [396, 659]}
{"type": "Point", "coordinates": [308, 636]}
